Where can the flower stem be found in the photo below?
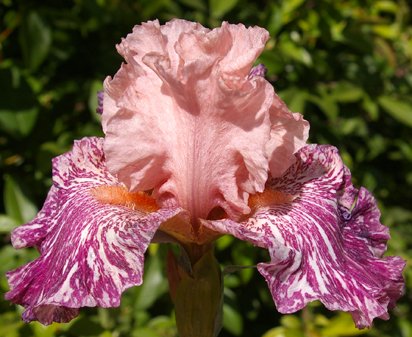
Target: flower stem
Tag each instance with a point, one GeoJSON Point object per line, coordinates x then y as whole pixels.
{"type": "Point", "coordinates": [196, 288]}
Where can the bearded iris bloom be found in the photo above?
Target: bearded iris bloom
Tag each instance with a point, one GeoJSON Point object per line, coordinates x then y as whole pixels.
{"type": "Point", "coordinates": [198, 145]}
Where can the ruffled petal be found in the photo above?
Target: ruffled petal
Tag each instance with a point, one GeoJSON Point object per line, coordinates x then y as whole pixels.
{"type": "Point", "coordinates": [185, 118]}
{"type": "Point", "coordinates": [288, 134]}
{"type": "Point", "coordinates": [326, 243]}
{"type": "Point", "coordinates": [90, 251]}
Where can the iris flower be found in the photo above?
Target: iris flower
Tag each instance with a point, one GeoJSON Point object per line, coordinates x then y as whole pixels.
{"type": "Point", "coordinates": [198, 145]}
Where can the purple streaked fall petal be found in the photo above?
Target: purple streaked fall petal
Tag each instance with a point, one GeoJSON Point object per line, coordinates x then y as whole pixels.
{"type": "Point", "coordinates": [90, 252]}
{"type": "Point", "coordinates": [326, 243]}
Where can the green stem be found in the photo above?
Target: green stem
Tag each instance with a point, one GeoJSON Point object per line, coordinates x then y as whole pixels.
{"type": "Point", "coordinates": [197, 289]}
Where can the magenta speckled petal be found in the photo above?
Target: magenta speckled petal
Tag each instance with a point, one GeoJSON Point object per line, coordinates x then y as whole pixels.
{"type": "Point", "coordinates": [90, 252]}
{"type": "Point", "coordinates": [326, 244]}
{"type": "Point", "coordinates": [185, 117]}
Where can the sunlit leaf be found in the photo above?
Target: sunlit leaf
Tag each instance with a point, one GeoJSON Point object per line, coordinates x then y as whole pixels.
{"type": "Point", "coordinates": [291, 321]}
{"type": "Point", "coordinates": [294, 98]}
{"type": "Point", "coordinates": [400, 110]}
{"type": "Point", "coordinates": [219, 8]}
{"type": "Point", "coordinates": [282, 14]}
{"type": "Point", "coordinates": [232, 320]}
{"type": "Point", "coordinates": [341, 325]}
{"type": "Point", "coordinates": [371, 107]}
{"type": "Point", "coordinates": [9, 324]}
{"type": "Point", "coordinates": [224, 242]}
{"type": "Point", "coordinates": [387, 31]}
{"type": "Point", "coordinates": [327, 105]}
{"type": "Point", "coordinates": [144, 332]}
{"type": "Point", "coordinates": [346, 92]}
{"type": "Point", "coordinates": [154, 284]}
{"type": "Point", "coordinates": [7, 224]}
{"type": "Point", "coordinates": [295, 52]}
{"type": "Point", "coordinates": [275, 332]}
{"type": "Point", "coordinates": [41, 330]}
{"type": "Point", "coordinates": [18, 205]}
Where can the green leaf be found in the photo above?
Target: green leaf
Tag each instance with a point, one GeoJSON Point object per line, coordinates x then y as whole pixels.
{"type": "Point", "coordinates": [341, 325]}
{"type": "Point", "coordinates": [371, 107]}
{"type": "Point", "coordinates": [283, 331]}
{"type": "Point", "coordinates": [387, 31]}
{"type": "Point", "coordinates": [232, 320]}
{"type": "Point", "coordinates": [85, 326]}
{"type": "Point", "coordinates": [400, 110]}
{"type": "Point", "coordinates": [18, 105]}
{"type": "Point", "coordinates": [144, 332]}
{"type": "Point", "coordinates": [289, 8]}
{"type": "Point", "coordinates": [219, 8]}
{"type": "Point", "coordinates": [154, 284]}
{"type": "Point", "coordinates": [10, 324]}
{"type": "Point", "coordinates": [35, 40]}
{"type": "Point", "coordinates": [385, 6]}
{"type": "Point", "coordinates": [41, 330]}
{"type": "Point", "coordinates": [109, 334]}
{"type": "Point", "coordinates": [327, 105]}
{"type": "Point", "coordinates": [7, 224]}
{"type": "Point", "coordinates": [346, 92]}
{"type": "Point", "coordinates": [282, 14]}
{"type": "Point", "coordinates": [275, 332]}
{"type": "Point", "coordinates": [11, 258]}
{"type": "Point", "coordinates": [20, 123]}
{"type": "Point", "coordinates": [291, 321]}
{"type": "Point", "coordinates": [195, 4]}
{"type": "Point", "coordinates": [18, 206]}
{"type": "Point", "coordinates": [224, 242]}
{"type": "Point", "coordinates": [295, 52]}
{"type": "Point", "coordinates": [406, 326]}
{"type": "Point", "coordinates": [273, 61]}
{"type": "Point", "coordinates": [295, 99]}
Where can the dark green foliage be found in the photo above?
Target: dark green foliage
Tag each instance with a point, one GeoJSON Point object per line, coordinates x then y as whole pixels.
{"type": "Point", "coordinates": [345, 64]}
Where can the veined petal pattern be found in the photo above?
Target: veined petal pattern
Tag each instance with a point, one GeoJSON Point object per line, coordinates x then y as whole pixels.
{"type": "Point", "coordinates": [90, 252]}
{"type": "Point", "coordinates": [326, 244]}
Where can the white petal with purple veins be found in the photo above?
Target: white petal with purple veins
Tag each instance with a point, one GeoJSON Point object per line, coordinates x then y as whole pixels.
{"type": "Point", "coordinates": [326, 244]}
{"type": "Point", "coordinates": [90, 251]}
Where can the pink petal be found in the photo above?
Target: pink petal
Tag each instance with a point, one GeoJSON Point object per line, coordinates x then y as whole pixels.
{"type": "Point", "coordinates": [326, 244]}
{"type": "Point", "coordinates": [183, 117]}
{"type": "Point", "coordinates": [90, 251]}
{"type": "Point", "coordinates": [289, 133]}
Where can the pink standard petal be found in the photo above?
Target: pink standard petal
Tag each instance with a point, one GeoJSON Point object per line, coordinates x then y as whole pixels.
{"type": "Point", "coordinates": [183, 116]}
{"type": "Point", "coordinates": [90, 252]}
{"type": "Point", "coordinates": [327, 244]}
{"type": "Point", "coordinates": [289, 133]}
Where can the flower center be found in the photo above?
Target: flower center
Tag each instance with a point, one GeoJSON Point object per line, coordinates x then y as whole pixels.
{"type": "Point", "coordinates": [178, 227]}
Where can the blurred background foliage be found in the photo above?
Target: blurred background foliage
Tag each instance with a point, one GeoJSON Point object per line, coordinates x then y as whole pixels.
{"type": "Point", "coordinates": [346, 65]}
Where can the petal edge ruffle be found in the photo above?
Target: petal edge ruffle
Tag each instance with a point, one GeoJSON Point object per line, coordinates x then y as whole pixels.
{"type": "Point", "coordinates": [90, 252]}
{"type": "Point", "coordinates": [327, 244]}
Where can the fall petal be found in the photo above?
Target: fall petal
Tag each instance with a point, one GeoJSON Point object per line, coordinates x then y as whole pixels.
{"type": "Point", "coordinates": [326, 244]}
{"type": "Point", "coordinates": [90, 252]}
